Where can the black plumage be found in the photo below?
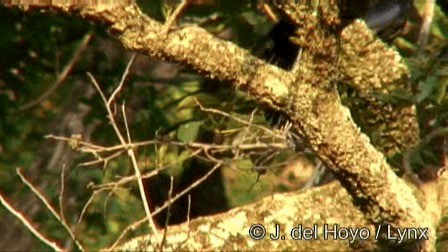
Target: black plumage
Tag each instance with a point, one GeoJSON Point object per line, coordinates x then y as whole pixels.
{"type": "Point", "coordinates": [385, 18]}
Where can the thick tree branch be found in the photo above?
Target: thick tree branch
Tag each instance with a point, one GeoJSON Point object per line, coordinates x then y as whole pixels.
{"type": "Point", "coordinates": [327, 205]}
{"type": "Point", "coordinates": [287, 210]}
{"type": "Point", "coordinates": [308, 96]}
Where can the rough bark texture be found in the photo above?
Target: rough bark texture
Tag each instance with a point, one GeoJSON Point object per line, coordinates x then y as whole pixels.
{"type": "Point", "coordinates": [368, 66]}
{"type": "Point", "coordinates": [392, 127]}
{"type": "Point", "coordinates": [327, 205]}
{"type": "Point", "coordinates": [331, 205]}
{"type": "Point", "coordinates": [309, 97]}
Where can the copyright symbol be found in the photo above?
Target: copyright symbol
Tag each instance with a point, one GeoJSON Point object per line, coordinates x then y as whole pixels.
{"type": "Point", "coordinates": [257, 231]}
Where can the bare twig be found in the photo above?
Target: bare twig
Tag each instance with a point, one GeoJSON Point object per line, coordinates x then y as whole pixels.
{"type": "Point", "coordinates": [186, 190]}
{"type": "Point", "coordinates": [29, 225]}
{"type": "Point", "coordinates": [173, 17]}
{"type": "Point", "coordinates": [143, 195]}
{"type": "Point", "coordinates": [61, 195]}
{"type": "Point", "coordinates": [123, 234]}
{"type": "Point", "coordinates": [127, 145]}
{"type": "Point", "coordinates": [168, 213]}
{"type": "Point", "coordinates": [63, 75]}
{"type": "Point", "coordinates": [222, 113]}
{"type": "Point", "coordinates": [223, 147]}
{"type": "Point", "coordinates": [428, 16]}
{"type": "Point", "coordinates": [267, 10]}
{"type": "Point", "coordinates": [130, 151]}
{"type": "Point", "coordinates": [103, 160]}
{"type": "Point", "coordinates": [49, 207]}
{"type": "Point", "coordinates": [153, 173]}
{"type": "Point", "coordinates": [188, 209]}
{"type": "Point", "coordinates": [295, 67]}
{"type": "Point", "coordinates": [246, 131]}
{"type": "Point", "coordinates": [120, 85]}
{"type": "Point", "coordinates": [136, 224]}
{"type": "Point", "coordinates": [320, 172]}
{"type": "Point", "coordinates": [84, 209]}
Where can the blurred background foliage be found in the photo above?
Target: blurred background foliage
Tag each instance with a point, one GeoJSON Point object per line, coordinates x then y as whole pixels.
{"type": "Point", "coordinates": [160, 103]}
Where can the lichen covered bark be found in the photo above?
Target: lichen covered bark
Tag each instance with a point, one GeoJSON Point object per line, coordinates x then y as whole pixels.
{"type": "Point", "coordinates": [375, 71]}
{"type": "Point", "coordinates": [230, 231]}
{"type": "Point", "coordinates": [365, 64]}
{"type": "Point", "coordinates": [317, 110]}
{"type": "Point", "coordinates": [308, 96]}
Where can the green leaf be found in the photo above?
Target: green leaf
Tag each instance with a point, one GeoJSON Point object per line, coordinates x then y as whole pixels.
{"type": "Point", "coordinates": [205, 99]}
{"type": "Point", "coordinates": [426, 88]}
{"type": "Point", "coordinates": [441, 89]}
{"type": "Point", "coordinates": [189, 131]}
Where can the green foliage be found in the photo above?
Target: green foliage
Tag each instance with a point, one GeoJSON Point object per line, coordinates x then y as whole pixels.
{"type": "Point", "coordinates": [35, 48]}
{"type": "Point", "coordinates": [189, 132]}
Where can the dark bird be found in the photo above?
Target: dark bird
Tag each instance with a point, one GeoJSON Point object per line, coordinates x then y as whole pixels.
{"type": "Point", "coordinates": [279, 49]}
{"type": "Point", "coordinates": [387, 17]}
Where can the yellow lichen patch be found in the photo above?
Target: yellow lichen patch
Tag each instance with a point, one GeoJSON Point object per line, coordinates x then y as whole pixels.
{"type": "Point", "coordinates": [234, 225]}
{"type": "Point", "coordinates": [282, 215]}
{"type": "Point", "coordinates": [277, 87]}
{"type": "Point", "coordinates": [177, 238]}
{"type": "Point", "coordinates": [374, 70]}
{"type": "Point", "coordinates": [205, 228]}
{"type": "Point", "coordinates": [375, 167]}
{"type": "Point", "coordinates": [229, 227]}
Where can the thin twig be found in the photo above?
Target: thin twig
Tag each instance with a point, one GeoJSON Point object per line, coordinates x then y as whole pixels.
{"type": "Point", "coordinates": [173, 17]}
{"type": "Point", "coordinates": [188, 210]}
{"type": "Point", "coordinates": [267, 10]}
{"type": "Point", "coordinates": [131, 154]}
{"type": "Point", "coordinates": [49, 207]}
{"type": "Point", "coordinates": [120, 85]}
{"type": "Point", "coordinates": [296, 66]}
{"type": "Point", "coordinates": [222, 147]}
{"type": "Point", "coordinates": [222, 113]}
{"type": "Point", "coordinates": [153, 173]}
{"type": "Point", "coordinates": [156, 151]}
{"type": "Point", "coordinates": [103, 160]}
{"type": "Point", "coordinates": [168, 213]}
{"type": "Point", "coordinates": [61, 195]}
{"type": "Point", "coordinates": [29, 225]}
{"type": "Point", "coordinates": [136, 224]}
{"type": "Point", "coordinates": [428, 16]}
{"type": "Point", "coordinates": [186, 190]}
{"type": "Point", "coordinates": [128, 229]}
{"type": "Point", "coordinates": [137, 173]}
{"type": "Point", "coordinates": [246, 131]}
{"type": "Point", "coordinates": [320, 172]}
{"type": "Point", "coordinates": [84, 209]}
{"type": "Point", "coordinates": [63, 75]}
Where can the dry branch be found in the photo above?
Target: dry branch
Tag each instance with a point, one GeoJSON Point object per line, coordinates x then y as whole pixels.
{"type": "Point", "coordinates": [308, 96]}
